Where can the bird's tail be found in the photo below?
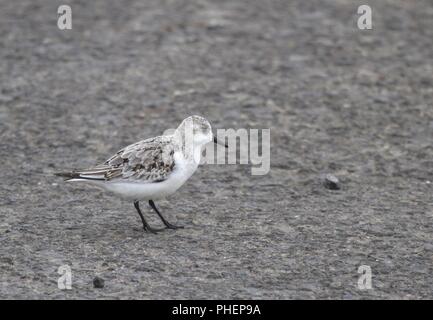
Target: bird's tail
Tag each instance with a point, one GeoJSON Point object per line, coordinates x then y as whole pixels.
{"type": "Point", "coordinates": [68, 175]}
{"type": "Point", "coordinates": [98, 173]}
{"type": "Point", "coordinates": [82, 175]}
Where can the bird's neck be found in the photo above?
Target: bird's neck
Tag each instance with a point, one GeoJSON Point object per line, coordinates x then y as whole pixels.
{"type": "Point", "coordinates": [191, 151]}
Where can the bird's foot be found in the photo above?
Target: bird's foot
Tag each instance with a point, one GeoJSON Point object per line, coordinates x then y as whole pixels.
{"type": "Point", "coordinates": [173, 226]}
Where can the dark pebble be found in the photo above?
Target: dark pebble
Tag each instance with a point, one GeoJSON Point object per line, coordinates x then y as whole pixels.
{"type": "Point", "coordinates": [331, 182]}
{"type": "Point", "coordinates": [98, 282]}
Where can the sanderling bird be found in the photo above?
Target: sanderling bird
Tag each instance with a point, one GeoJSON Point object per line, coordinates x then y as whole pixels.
{"type": "Point", "coordinates": [153, 168]}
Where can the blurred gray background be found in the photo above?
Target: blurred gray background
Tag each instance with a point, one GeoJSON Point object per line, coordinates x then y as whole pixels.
{"type": "Point", "coordinates": [353, 103]}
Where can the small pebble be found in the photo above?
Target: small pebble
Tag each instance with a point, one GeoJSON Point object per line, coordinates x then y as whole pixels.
{"type": "Point", "coordinates": [98, 282]}
{"type": "Point", "coordinates": [331, 182]}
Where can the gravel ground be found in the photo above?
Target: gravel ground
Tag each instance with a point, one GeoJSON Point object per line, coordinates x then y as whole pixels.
{"type": "Point", "coordinates": [338, 100]}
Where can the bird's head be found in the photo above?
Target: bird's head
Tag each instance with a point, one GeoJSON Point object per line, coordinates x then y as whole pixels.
{"type": "Point", "coordinates": [196, 130]}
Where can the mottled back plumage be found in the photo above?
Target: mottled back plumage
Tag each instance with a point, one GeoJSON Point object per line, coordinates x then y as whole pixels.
{"type": "Point", "coordinates": [149, 160]}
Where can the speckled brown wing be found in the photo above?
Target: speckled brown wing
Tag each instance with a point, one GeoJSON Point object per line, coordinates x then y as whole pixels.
{"type": "Point", "coordinates": [148, 161]}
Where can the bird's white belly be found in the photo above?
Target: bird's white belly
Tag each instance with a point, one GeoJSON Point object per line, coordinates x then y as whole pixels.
{"type": "Point", "coordinates": [136, 190]}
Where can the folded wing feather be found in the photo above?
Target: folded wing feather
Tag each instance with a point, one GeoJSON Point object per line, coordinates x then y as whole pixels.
{"type": "Point", "coordinates": [149, 160]}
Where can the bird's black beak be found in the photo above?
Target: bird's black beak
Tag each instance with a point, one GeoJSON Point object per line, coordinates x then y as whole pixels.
{"type": "Point", "coordinates": [215, 140]}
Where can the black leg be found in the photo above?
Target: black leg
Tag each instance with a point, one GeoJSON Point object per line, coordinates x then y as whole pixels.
{"type": "Point", "coordinates": [167, 224]}
{"type": "Point", "coordinates": [146, 226]}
